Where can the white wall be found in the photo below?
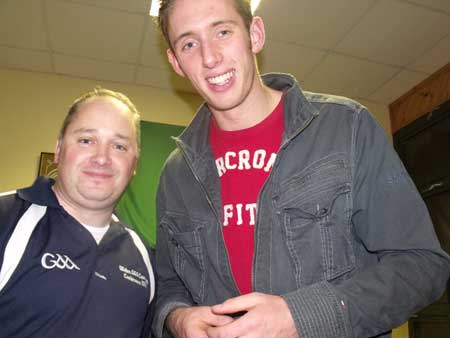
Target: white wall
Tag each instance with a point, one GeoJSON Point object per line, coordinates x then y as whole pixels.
{"type": "Point", "coordinates": [33, 105]}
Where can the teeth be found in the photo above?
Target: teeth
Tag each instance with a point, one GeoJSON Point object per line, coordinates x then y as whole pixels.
{"type": "Point", "coordinates": [221, 79]}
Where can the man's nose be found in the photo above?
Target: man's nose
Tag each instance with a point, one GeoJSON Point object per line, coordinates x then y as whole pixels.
{"type": "Point", "coordinates": [102, 154]}
{"type": "Point", "coordinates": [212, 54]}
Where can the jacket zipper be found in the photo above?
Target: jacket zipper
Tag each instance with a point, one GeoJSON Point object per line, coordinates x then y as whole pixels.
{"type": "Point", "coordinates": [284, 145]}
{"type": "Point", "coordinates": [208, 198]}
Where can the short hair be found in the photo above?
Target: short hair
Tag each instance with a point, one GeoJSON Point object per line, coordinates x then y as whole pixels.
{"type": "Point", "coordinates": [103, 92]}
{"type": "Point", "coordinates": [243, 7]}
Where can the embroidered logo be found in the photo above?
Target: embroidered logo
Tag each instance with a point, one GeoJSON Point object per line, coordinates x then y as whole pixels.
{"type": "Point", "coordinates": [50, 261]}
{"type": "Point", "coordinates": [134, 276]}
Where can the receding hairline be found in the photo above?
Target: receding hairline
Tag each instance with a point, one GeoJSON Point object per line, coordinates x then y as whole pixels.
{"type": "Point", "coordinates": [103, 93]}
{"type": "Point", "coordinates": [111, 99]}
{"type": "Point", "coordinates": [122, 108]}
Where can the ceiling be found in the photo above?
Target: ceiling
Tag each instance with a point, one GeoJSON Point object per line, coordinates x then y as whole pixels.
{"type": "Point", "coordinates": [373, 50]}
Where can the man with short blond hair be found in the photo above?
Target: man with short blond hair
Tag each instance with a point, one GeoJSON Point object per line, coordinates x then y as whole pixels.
{"type": "Point", "coordinates": [68, 266]}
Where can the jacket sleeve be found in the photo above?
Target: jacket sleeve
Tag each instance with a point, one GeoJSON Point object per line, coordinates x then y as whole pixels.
{"type": "Point", "coordinates": [170, 291]}
{"type": "Point", "coordinates": [391, 221]}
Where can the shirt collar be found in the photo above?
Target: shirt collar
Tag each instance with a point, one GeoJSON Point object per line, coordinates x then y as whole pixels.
{"type": "Point", "coordinates": [40, 192]}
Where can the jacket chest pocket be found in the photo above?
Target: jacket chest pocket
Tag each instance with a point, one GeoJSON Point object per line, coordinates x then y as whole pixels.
{"type": "Point", "coordinates": [316, 221]}
{"type": "Point", "coordinates": [187, 256]}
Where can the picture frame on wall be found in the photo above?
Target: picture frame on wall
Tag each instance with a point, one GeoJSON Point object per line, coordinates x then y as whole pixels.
{"type": "Point", "coordinates": [47, 166]}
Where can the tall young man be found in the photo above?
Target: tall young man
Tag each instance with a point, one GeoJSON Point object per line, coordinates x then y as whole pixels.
{"type": "Point", "coordinates": [68, 267]}
{"type": "Point", "coordinates": [282, 213]}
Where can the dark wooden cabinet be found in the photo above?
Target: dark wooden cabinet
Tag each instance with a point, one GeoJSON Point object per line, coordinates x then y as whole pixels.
{"type": "Point", "coordinates": [423, 326]}
{"type": "Point", "coordinates": [424, 147]}
{"type": "Point", "coordinates": [421, 99]}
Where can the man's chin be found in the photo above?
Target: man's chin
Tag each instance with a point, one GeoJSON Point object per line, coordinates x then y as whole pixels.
{"type": "Point", "coordinates": [98, 195]}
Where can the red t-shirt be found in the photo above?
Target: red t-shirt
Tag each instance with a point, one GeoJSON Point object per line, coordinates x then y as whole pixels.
{"type": "Point", "coordinates": [244, 159]}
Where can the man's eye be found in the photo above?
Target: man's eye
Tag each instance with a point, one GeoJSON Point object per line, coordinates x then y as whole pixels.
{"type": "Point", "coordinates": [224, 33]}
{"type": "Point", "coordinates": [187, 46]}
{"type": "Point", "coordinates": [120, 147]}
{"type": "Point", "coordinates": [84, 141]}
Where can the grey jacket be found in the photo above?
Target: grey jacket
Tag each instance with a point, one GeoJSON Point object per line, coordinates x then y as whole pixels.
{"type": "Point", "coordinates": [341, 232]}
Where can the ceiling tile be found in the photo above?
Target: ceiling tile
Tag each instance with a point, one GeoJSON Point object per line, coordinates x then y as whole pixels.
{"type": "Point", "coordinates": [153, 52]}
{"type": "Point", "coordinates": [289, 58]}
{"type": "Point", "coordinates": [443, 5]}
{"type": "Point", "coordinates": [25, 59]}
{"type": "Point", "coordinates": [314, 23]}
{"type": "Point", "coordinates": [409, 35]}
{"type": "Point", "coordinates": [342, 75]}
{"type": "Point", "coordinates": [93, 69]}
{"type": "Point", "coordinates": [160, 78]}
{"type": "Point", "coordinates": [22, 24]}
{"type": "Point", "coordinates": [385, 34]}
{"type": "Point", "coordinates": [94, 32]}
{"type": "Point", "coordinates": [141, 6]}
{"type": "Point", "coordinates": [434, 59]}
{"type": "Point", "coordinates": [397, 86]}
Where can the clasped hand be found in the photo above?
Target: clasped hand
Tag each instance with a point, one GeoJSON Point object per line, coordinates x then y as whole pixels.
{"type": "Point", "coordinates": [264, 316]}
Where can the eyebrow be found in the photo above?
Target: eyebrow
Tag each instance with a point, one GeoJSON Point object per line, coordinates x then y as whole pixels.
{"type": "Point", "coordinates": [93, 130]}
{"type": "Point", "coordinates": [212, 25]}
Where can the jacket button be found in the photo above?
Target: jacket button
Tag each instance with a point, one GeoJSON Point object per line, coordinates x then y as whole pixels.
{"type": "Point", "coordinates": [322, 212]}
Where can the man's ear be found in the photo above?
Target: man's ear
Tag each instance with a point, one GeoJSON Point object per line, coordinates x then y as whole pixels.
{"type": "Point", "coordinates": [136, 159]}
{"type": "Point", "coordinates": [57, 151]}
{"type": "Point", "coordinates": [174, 62]}
{"type": "Point", "coordinates": [257, 34]}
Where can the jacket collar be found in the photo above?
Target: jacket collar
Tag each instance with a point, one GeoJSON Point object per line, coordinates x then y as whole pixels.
{"type": "Point", "coordinates": [297, 111]}
{"type": "Point", "coordinates": [40, 192]}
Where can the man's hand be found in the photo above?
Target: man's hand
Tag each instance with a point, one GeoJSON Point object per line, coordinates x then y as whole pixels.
{"type": "Point", "coordinates": [193, 322]}
{"type": "Point", "coordinates": [266, 316]}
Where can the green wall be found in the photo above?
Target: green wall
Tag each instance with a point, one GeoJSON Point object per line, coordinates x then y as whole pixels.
{"type": "Point", "coordinates": [137, 205]}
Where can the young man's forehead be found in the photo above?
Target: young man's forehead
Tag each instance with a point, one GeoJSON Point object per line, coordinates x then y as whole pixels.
{"type": "Point", "coordinates": [185, 20]}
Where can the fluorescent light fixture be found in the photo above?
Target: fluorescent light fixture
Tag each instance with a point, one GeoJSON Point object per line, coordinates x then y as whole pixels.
{"type": "Point", "coordinates": [255, 4]}
{"type": "Point", "coordinates": [154, 8]}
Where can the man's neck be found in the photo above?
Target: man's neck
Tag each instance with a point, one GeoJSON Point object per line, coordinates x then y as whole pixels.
{"type": "Point", "coordinates": [260, 104]}
{"type": "Point", "coordinates": [93, 217]}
